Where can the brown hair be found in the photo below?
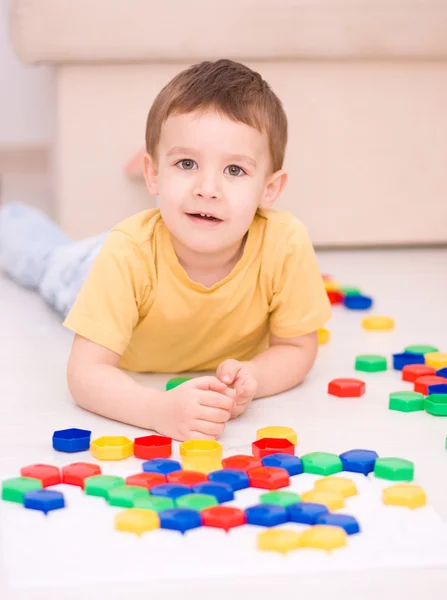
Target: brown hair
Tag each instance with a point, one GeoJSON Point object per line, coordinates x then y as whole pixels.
{"type": "Point", "coordinates": [232, 89]}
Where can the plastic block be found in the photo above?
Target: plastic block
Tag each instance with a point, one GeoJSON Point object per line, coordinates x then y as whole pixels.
{"type": "Point", "coordinates": [200, 449]}
{"type": "Point", "coordinates": [357, 302]}
{"type": "Point", "coordinates": [292, 464]}
{"type": "Point", "coordinates": [394, 469]}
{"type": "Point", "coordinates": [71, 440]}
{"type": "Point", "coordinates": [412, 496]}
{"type": "Point", "coordinates": [359, 461]}
{"type": "Point", "coordinates": [201, 464]}
{"type": "Point", "coordinates": [441, 372]}
{"type": "Point", "coordinates": [332, 500]}
{"type": "Point", "coordinates": [370, 363]}
{"type": "Point", "coordinates": [221, 491]}
{"type": "Point", "coordinates": [267, 446]}
{"type": "Point", "coordinates": [48, 474]}
{"type": "Point", "coordinates": [348, 290]}
{"type": "Point", "coordinates": [186, 477]}
{"type": "Point", "coordinates": [175, 381]}
{"type": "Point", "coordinates": [346, 522]}
{"type": "Point", "coordinates": [76, 473]}
{"type": "Point", "coordinates": [180, 519]}
{"type": "Point", "coordinates": [223, 517]}
{"type": "Point", "coordinates": [237, 480]}
{"type": "Point", "coordinates": [423, 384]}
{"type": "Point", "coordinates": [421, 349]}
{"type": "Point", "coordinates": [100, 485]}
{"type": "Point", "coordinates": [170, 490]}
{"type": "Point", "coordinates": [437, 360]}
{"type": "Point", "coordinates": [125, 495]}
{"type": "Point", "coordinates": [269, 478]}
{"type": "Point", "coordinates": [278, 431]}
{"type": "Point", "coordinates": [340, 485]}
{"type": "Point", "coordinates": [111, 447]}
{"type": "Point", "coordinates": [321, 463]}
{"type": "Point", "coordinates": [161, 465]}
{"type": "Point", "coordinates": [280, 498]}
{"type": "Point", "coordinates": [266, 515]}
{"type": "Point", "coordinates": [196, 501]}
{"type": "Point", "coordinates": [13, 490]}
{"type": "Point", "coordinates": [438, 388]}
{"type": "Point", "coordinates": [241, 462]}
{"type": "Point", "coordinates": [330, 285]}
{"type": "Point", "coordinates": [152, 446]}
{"type": "Point", "coordinates": [306, 512]}
{"type": "Point", "coordinates": [413, 372]}
{"type": "Point", "coordinates": [436, 404]}
{"type": "Point", "coordinates": [406, 401]}
{"type": "Point", "coordinates": [156, 503]}
{"type": "Point", "coordinates": [347, 387]}
{"type": "Point", "coordinates": [335, 297]}
{"type": "Point", "coordinates": [407, 358]}
{"type": "Point", "coordinates": [278, 540]}
{"type": "Point", "coordinates": [378, 323]}
{"type": "Point", "coordinates": [44, 500]}
{"type": "Point", "coordinates": [137, 520]}
{"type": "Point", "coordinates": [324, 537]}
{"type": "Point", "coordinates": [324, 335]}
{"type": "Point", "coordinates": [146, 480]}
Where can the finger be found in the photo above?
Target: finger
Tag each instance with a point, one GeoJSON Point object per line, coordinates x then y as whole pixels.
{"type": "Point", "coordinates": [228, 370]}
{"type": "Point", "coordinates": [214, 415]}
{"type": "Point", "coordinates": [208, 383]}
{"type": "Point", "coordinates": [208, 428]}
{"type": "Point", "coordinates": [197, 435]}
{"type": "Point", "coordinates": [216, 400]}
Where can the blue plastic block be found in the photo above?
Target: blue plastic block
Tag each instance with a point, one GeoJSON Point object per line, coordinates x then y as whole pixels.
{"type": "Point", "coordinates": [180, 519]}
{"type": "Point", "coordinates": [407, 358]}
{"type": "Point", "coordinates": [359, 461]}
{"type": "Point", "coordinates": [346, 522]}
{"type": "Point", "coordinates": [44, 500]}
{"type": "Point", "coordinates": [357, 302]}
{"type": "Point", "coordinates": [170, 490]}
{"type": "Point", "coordinates": [237, 480]}
{"type": "Point", "coordinates": [267, 515]}
{"type": "Point", "coordinates": [442, 372]}
{"type": "Point", "coordinates": [161, 465]}
{"type": "Point", "coordinates": [306, 512]}
{"type": "Point", "coordinates": [437, 388]}
{"type": "Point", "coordinates": [221, 491]}
{"type": "Point", "coordinates": [292, 464]}
{"type": "Point", "coordinates": [71, 440]}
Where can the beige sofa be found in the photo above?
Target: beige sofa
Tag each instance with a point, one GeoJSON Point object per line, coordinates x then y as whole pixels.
{"type": "Point", "coordinates": [364, 83]}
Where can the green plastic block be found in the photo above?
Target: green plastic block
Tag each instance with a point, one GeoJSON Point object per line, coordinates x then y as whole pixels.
{"type": "Point", "coordinates": [172, 383]}
{"type": "Point", "coordinates": [99, 485]}
{"type": "Point", "coordinates": [350, 291]}
{"type": "Point", "coordinates": [13, 490]}
{"type": "Point", "coordinates": [421, 349]}
{"type": "Point", "coordinates": [436, 404]}
{"type": "Point", "coordinates": [280, 498]}
{"type": "Point", "coordinates": [321, 463]}
{"type": "Point", "coordinates": [406, 401]}
{"type": "Point", "coordinates": [157, 503]}
{"type": "Point", "coordinates": [196, 501]}
{"type": "Point", "coordinates": [371, 363]}
{"type": "Point", "coordinates": [125, 495]}
{"type": "Point", "coordinates": [394, 469]}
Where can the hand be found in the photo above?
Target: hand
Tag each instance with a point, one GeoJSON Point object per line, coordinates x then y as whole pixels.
{"type": "Point", "coordinates": [243, 384]}
{"type": "Point", "coordinates": [196, 409]}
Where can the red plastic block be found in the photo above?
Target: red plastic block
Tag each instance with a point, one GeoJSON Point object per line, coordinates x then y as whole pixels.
{"type": "Point", "coordinates": [346, 388]}
{"type": "Point", "coordinates": [224, 517]}
{"type": "Point", "coordinates": [335, 297]}
{"type": "Point", "coordinates": [269, 478]}
{"type": "Point", "coordinates": [413, 372]}
{"type": "Point", "coordinates": [186, 477]}
{"type": "Point", "coordinates": [76, 473]}
{"type": "Point", "coordinates": [422, 383]}
{"type": "Point", "coordinates": [146, 480]}
{"type": "Point", "coordinates": [152, 446]}
{"type": "Point", "coordinates": [47, 474]}
{"type": "Point", "coordinates": [241, 462]}
{"type": "Point", "coordinates": [266, 446]}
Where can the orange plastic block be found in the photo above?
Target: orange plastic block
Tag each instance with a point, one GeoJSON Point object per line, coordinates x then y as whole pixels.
{"type": "Point", "coordinates": [268, 478]}
{"type": "Point", "coordinates": [267, 446]}
{"type": "Point", "coordinates": [152, 446]}
{"type": "Point", "coordinates": [335, 297]}
{"type": "Point", "coordinates": [346, 387]}
{"type": "Point", "coordinates": [186, 477]}
{"type": "Point", "coordinates": [146, 480]}
{"type": "Point", "coordinates": [413, 372]}
{"type": "Point", "coordinates": [241, 462]}
{"type": "Point", "coordinates": [422, 384]}
{"type": "Point", "coordinates": [47, 474]}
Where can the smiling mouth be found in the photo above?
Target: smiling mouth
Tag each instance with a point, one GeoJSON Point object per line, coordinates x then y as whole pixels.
{"type": "Point", "coordinates": [204, 217]}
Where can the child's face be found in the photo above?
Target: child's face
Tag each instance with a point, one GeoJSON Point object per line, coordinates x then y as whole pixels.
{"type": "Point", "coordinates": [210, 165]}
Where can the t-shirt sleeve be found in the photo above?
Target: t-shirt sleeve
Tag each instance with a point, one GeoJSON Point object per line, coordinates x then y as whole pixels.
{"type": "Point", "coordinates": [300, 304]}
{"type": "Point", "coordinates": [106, 310]}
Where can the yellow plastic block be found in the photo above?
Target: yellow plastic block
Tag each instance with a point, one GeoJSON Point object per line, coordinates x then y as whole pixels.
{"type": "Point", "coordinates": [200, 449]}
{"type": "Point", "coordinates": [323, 336]}
{"type": "Point", "coordinates": [331, 285]}
{"type": "Point", "coordinates": [378, 323]}
{"type": "Point", "coordinates": [437, 360]}
{"type": "Point", "coordinates": [339, 485]}
{"type": "Point", "coordinates": [279, 540]}
{"type": "Point", "coordinates": [332, 500]}
{"type": "Point", "coordinates": [202, 464]}
{"type": "Point", "coordinates": [278, 431]}
{"type": "Point", "coordinates": [111, 447]}
{"type": "Point", "coordinates": [137, 520]}
{"type": "Point", "coordinates": [404, 494]}
{"type": "Point", "coordinates": [324, 537]}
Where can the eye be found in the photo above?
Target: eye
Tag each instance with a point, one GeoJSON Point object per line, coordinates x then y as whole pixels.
{"type": "Point", "coordinates": [186, 164]}
{"type": "Point", "coordinates": [234, 171]}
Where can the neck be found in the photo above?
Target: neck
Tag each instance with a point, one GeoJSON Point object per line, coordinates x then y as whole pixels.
{"type": "Point", "coordinates": [208, 263]}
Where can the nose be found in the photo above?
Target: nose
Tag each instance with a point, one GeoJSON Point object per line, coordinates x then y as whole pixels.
{"type": "Point", "coordinates": [207, 186]}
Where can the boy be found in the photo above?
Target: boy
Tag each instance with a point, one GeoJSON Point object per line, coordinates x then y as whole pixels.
{"type": "Point", "coordinates": [213, 280]}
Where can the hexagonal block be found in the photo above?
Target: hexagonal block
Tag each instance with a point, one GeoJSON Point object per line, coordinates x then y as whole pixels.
{"type": "Point", "coordinates": [436, 404]}
{"type": "Point", "coordinates": [14, 490]}
{"type": "Point", "coordinates": [201, 464]}
{"type": "Point", "coordinates": [421, 349]}
{"type": "Point", "coordinates": [423, 385]}
{"type": "Point", "coordinates": [412, 496]}
{"type": "Point", "coordinates": [330, 285]}
{"type": "Point", "coordinates": [241, 462]}
{"type": "Point", "coordinates": [237, 480]}
{"type": "Point", "coordinates": [161, 465]}
{"type": "Point", "coordinates": [137, 520]}
{"type": "Point", "coordinates": [223, 517]}
{"type": "Point", "coordinates": [321, 463]}
{"type": "Point", "coordinates": [346, 522]}
{"type": "Point", "coordinates": [125, 495]}
{"type": "Point", "coordinates": [358, 302]}
{"type": "Point", "coordinates": [280, 498]}
{"type": "Point", "coordinates": [324, 537]}
{"type": "Point", "coordinates": [394, 469]}
{"type": "Point", "coordinates": [335, 297]}
{"type": "Point", "coordinates": [170, 490]}
{"type": "Point", "coordinates": [324, 335]}
{"type": "Point", "coordinates": [156, 503]}
{"type": "Point", "coordinates": [47, 474]}
{"type": "Point", "coordinates": [111, 447]}
{"type": "Point", "coordinates": [278, 431]}
{"type": "Point", "coordinates": [189, 478]}
{"type": "Point", "coordinates": [180, 519]}
{"type": "Point", "coordinates": [266, 515]}
{"type": "Point", "coordinates": [201, 448]}
{"type": "Point", "coordinates": [278, 540]}
{"type": "Point", "coordinates": [406, 401]}
{"type": "Point", "coordinates": [71, 440]}
{"type": "Point", "coordinates": [347, 387]}
{"type": "Point", "coordinates": [267, 446]}
{"type": "Point", "coordinates": [306, 512]}
{"type": "Point", "coordinates": [152, 446]}
{"type": "Point", "coordinates": [176, 381]}
{"type": "Point", "coordinates": [359, 461]}
{"type": "Point", "coordinates": [370, 363]}
{"type": "Point", "coordinates": [413, 372]}
{"type": "Point", "coordinates": [44, 500]}
{"type": "Point", "coordinates": [349, 290]}
{"type": "Point", "coordinates": [340, 485]}
{"type": "Point", "coordinates": [146, 480]}
{"type": "Point", "coordinates": [437, 360]}
{"type": "Point", "coordinates": [441, 372]}
{"type": "Point", "coordinates": [100, 485]}
{"type": "Point", "coordinates": [403, 359]}
{"type": "Point", "coordinates": [221, 491]}
{"type": "Point", "coordinates": [332, 500]}
{"type": "Point", "coordinates": [77, 473]}
{"type": "Point", "coordinates": [196, 501]}
{"type": "Point", "coordinates": [292, 464]}
{"type": "Point", "coordinates": [378, 323]}
{"type": "Point", "coordinates": [269, 478]}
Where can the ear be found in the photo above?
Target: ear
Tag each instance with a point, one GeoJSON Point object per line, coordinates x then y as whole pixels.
{"type": "Point", "coordinates": [151, 174]}
{"type": "Point", "coordinates": [273, 188]}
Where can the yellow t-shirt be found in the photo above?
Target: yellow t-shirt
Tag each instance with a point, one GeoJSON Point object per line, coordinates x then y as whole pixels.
{"type": "Point", "coordinates": [139, 302]}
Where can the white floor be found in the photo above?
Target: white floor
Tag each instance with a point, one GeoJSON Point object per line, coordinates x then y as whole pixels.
{"type": "Point", "coordinates": [410, 285]}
